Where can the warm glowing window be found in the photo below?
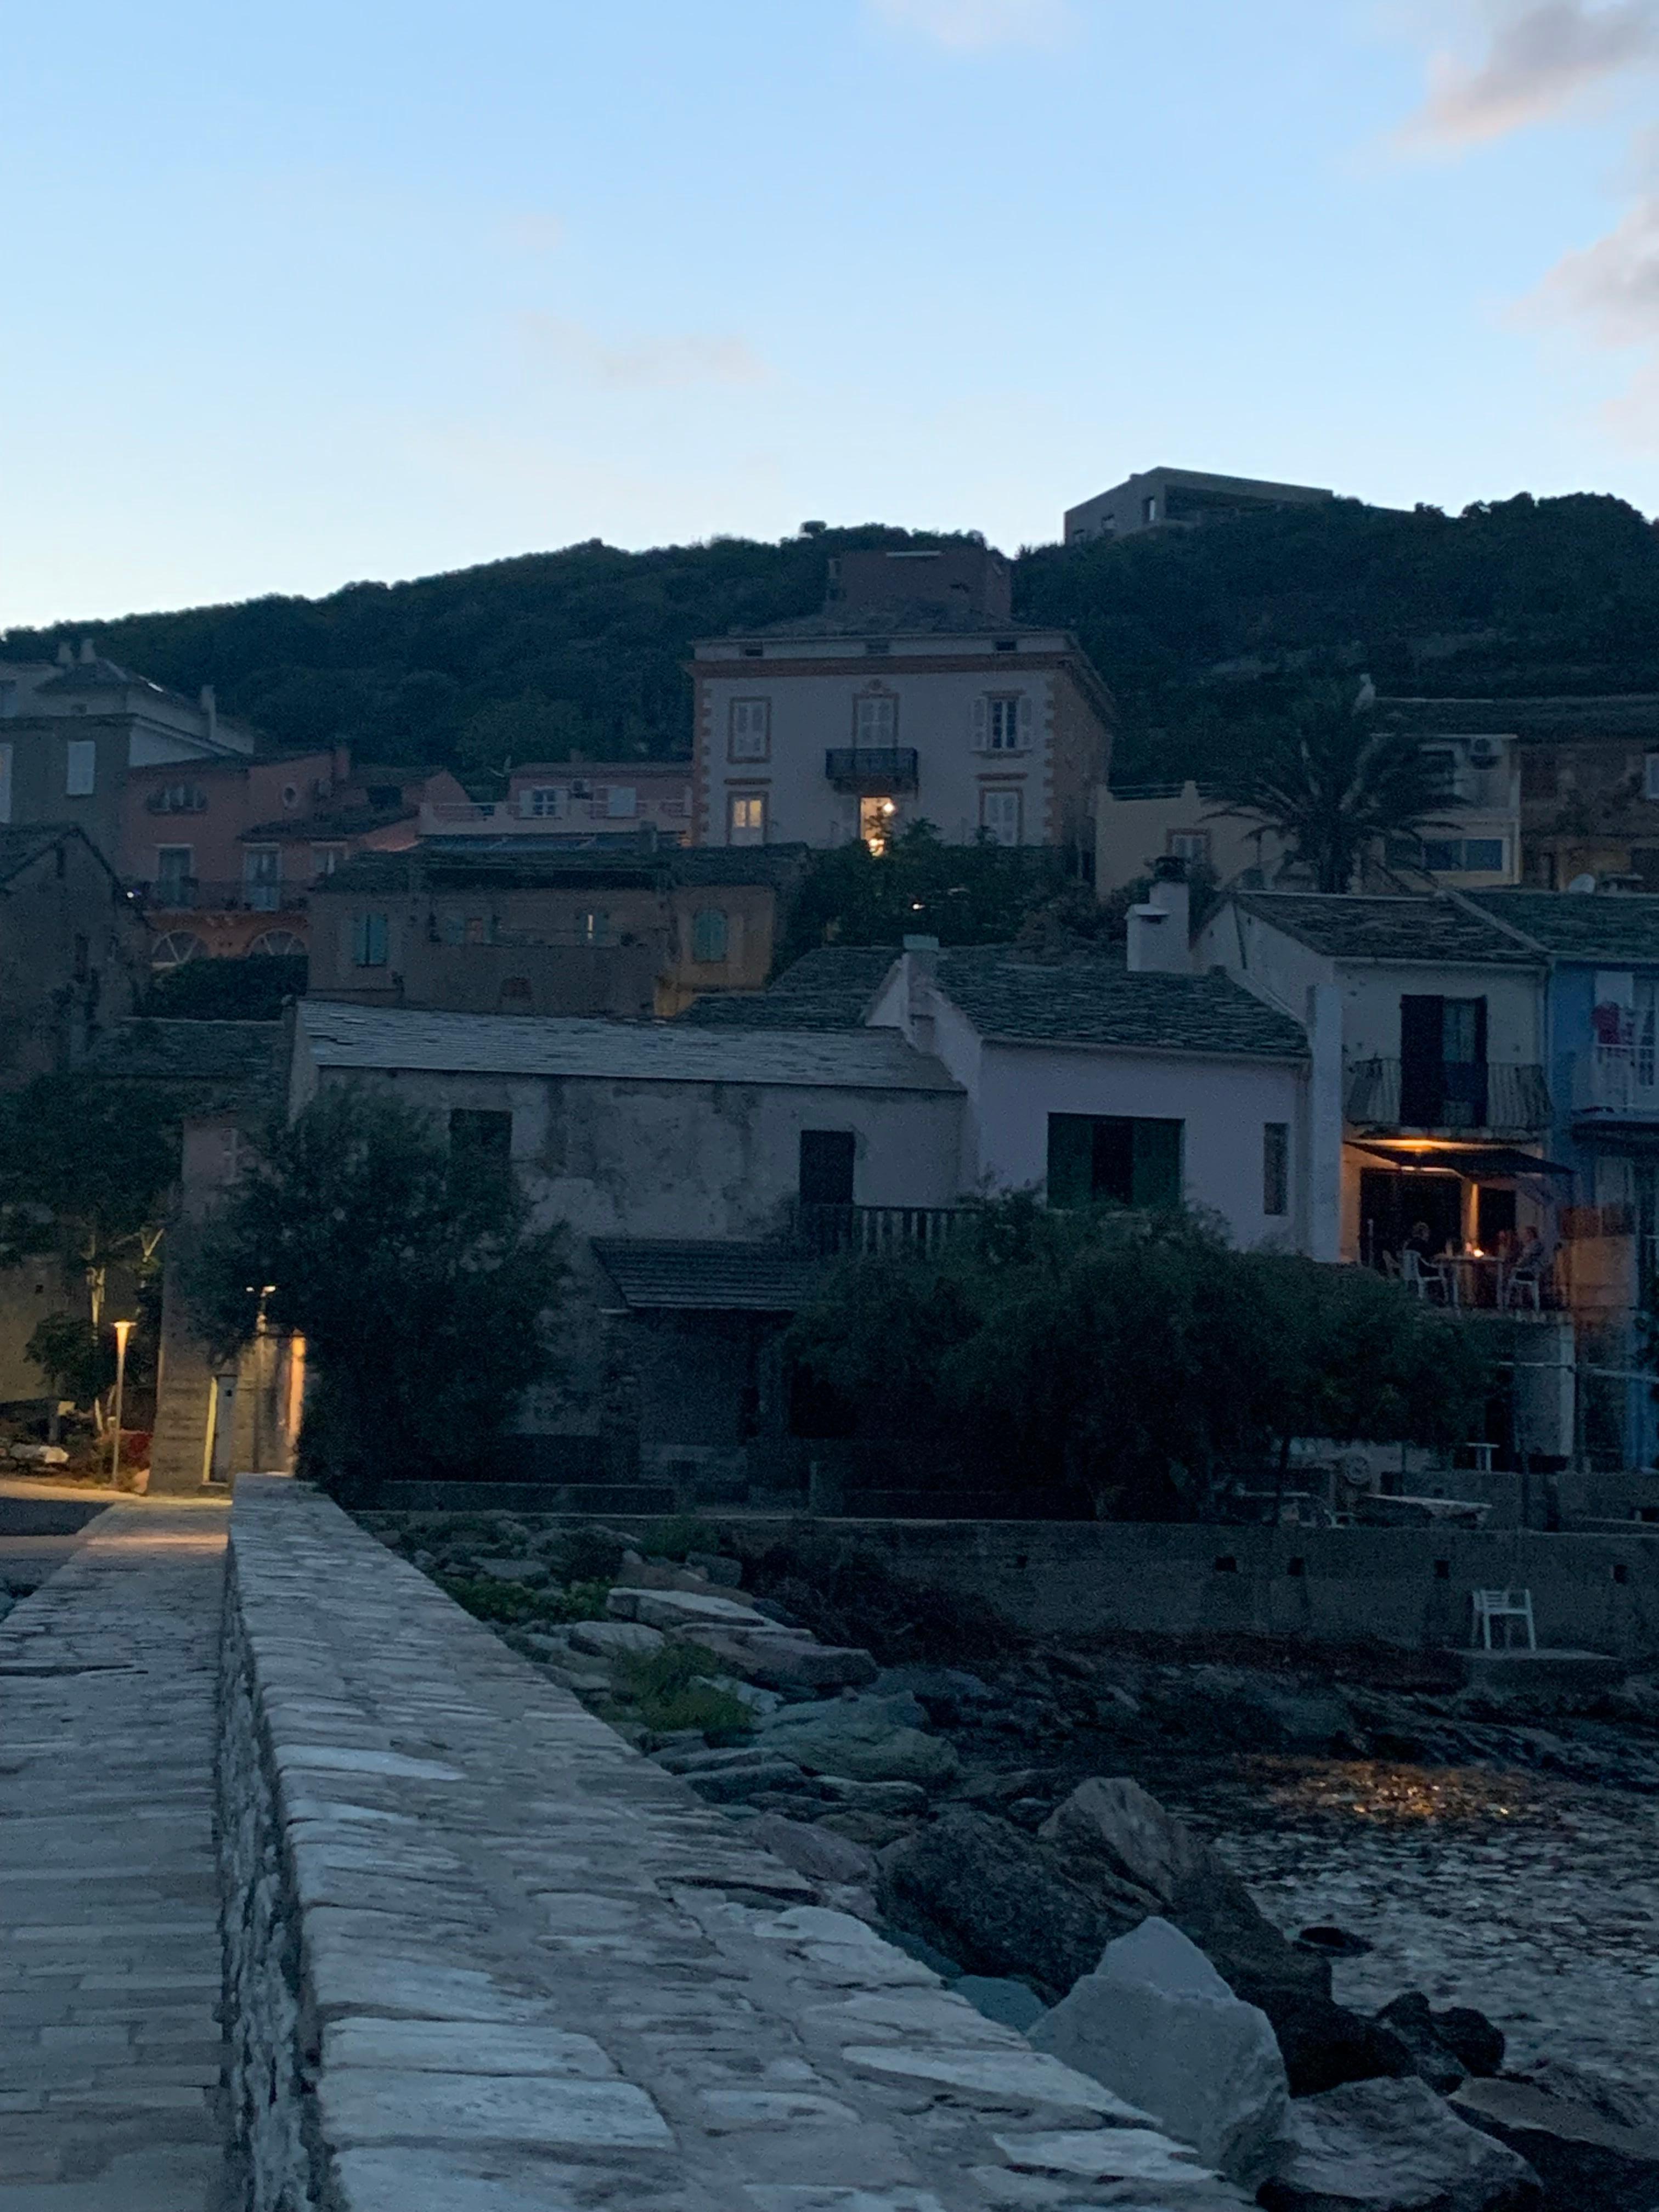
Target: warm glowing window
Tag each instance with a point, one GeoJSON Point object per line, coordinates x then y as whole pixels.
{"type": "Point", "coordinates": [748, 818]}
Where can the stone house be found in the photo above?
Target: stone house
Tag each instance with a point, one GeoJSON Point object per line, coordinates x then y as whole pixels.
{"type": "Point", "coordinates": [74, 949]}
{"type": "Point", "coordinates": [679, 1159]}
{"type": "Point", "coordinates": [225, 854]}
{"type": "Point", "coordinates": [915, 696]}
{"type": "Point", "coordinates": [72, 731]}
{"type": "Point", "coordinates": [547, 932]}
{"type": "Point", "coordinates": [574, 802]}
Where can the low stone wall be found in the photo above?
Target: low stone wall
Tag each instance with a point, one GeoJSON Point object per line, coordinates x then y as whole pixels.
{"type": "Point", "coordinates": [482, 1957]}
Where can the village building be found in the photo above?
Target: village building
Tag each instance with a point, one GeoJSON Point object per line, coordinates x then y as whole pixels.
{"type": "Point", "coordinates": [542, 930]}
{"type": "Point", "coordinates": [594, 804]}
{"type": "Point", "coordinates": [915, 696]}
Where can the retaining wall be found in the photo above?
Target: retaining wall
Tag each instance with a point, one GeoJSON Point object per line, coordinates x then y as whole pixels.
{"type": "Point", "coordinates": [482, 1957]}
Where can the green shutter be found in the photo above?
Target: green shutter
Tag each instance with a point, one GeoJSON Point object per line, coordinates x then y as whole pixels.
{"type": "Point", "coordinates": [1070, 1160]}
{"type": "Point", "coordinates": [1157, 1164]}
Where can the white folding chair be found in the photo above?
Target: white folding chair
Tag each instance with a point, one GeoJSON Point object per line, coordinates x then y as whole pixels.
{"type": "Point", "coordinates": [1507, 1606]}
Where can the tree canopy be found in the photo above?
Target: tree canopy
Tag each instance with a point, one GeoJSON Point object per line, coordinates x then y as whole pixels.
{"type": "Point", "coordinates": [427, 1299]}
{"type": "Point", "coordinates": [1131, 1359]}
{"type": "Point", "coordinates": [1198, 633]}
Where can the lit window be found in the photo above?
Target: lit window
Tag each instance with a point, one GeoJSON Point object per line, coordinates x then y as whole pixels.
{"type": "Point", "coordinates": [81, 767]}
{"type": "Point", "coordinates": [368, 940]}
{"type": "Point", "coordinates": [748, 821]}
{"type": "Point", "coordinates": [999, 816]}
{"type": "Point", "coordinates": [709, 934]}
{"type": "Point", "coordinates": [750, 734]}
{"type": "Point", "coordinates": [876, 722]}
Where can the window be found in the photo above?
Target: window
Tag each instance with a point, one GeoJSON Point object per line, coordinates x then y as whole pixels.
{"type": "Point", "coordinates": [5, 782]}
{"type": "Point", "coordinates": [1441, 763]}
{"type": "Point", "coordinates": [368, 940]}
{"type": "Point", "coordinates": [290, 794]}
{"type": "Point", "coordinates": [999, 816]}
{"type": "Point", "coordinates": [81, 767]}
{"type": "Point", "coordinates": [827, 1160]}
{"type": "Point", "coordinates": [544, 802]}
{"type": "Point", "coordinates": [709, 934]}
{"type": "Point", "coordinates": [480, 1138]}
{"type": "Point", "coordinates": [277, 945]}
{"type": "Point", "coordinates": [1114, 1158]}
{"type": "Point", "coordinates": [82, 958]}
{"type": "Point", "coordinates": [325, 859]}
{"type": "Point", "coordinates": [452, 929]}
{"type": "Point", "coordinates": [748, 819]}
{"type": "Point", "coordinates": [1484, 855]}
{"type": "Point", "coordinates": [1005, 720]}
{"type": "Point", "coordinates": [1275, 1166]}
{"type": "Point", "coordinates": [622, 801]}
{"type": "Point", "coordinates": [174, 873]}
{"type": "Point", "coordinates": [174, 947]}
{"type": "Point", "coordinates": [1443, 1063]}
{"type": "Point", "coordinates": [749, 736]}
{"type": "Point", "coordinates": [1447, 855]}
{"type": "Point", "coordinates": [1192, 846]}
{"type": "Point", "coordinates": [875, 723]}
{"type": "Point", "coordinates": [1148, 510]}
{"type": "Point", "coordinates": [262, 877]}
{"type": "Point", "coordinates": [1649, 776]}
{"type": "Point", "coordinates": [596, 926]}
{"type": "Point", "coordinates": [1440, 854]}
{"type": "Point", "coordinates": [476, 930]}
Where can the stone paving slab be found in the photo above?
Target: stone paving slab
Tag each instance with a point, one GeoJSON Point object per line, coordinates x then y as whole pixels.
{"type": "Point", "coordinates": [111, 2050]}
{"type": "Point", "coordinates": [493, 1960]}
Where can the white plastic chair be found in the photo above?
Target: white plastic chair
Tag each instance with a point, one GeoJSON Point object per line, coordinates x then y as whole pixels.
{"type": "Point", "coordinates": [1507, 1606]}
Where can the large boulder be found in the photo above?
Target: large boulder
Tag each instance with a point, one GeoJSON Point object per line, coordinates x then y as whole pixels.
{"type": "Point", "coordinates": [1409, 2017]}
{"type": "Point", "coordinates": [1392, 2146]}
{"type": "Point", "coordinates": [863, 1739]}
{"type": "Point", "coordinates": [990, 1898]}
{"type": "Point", "coordinates": [1132, 1857]}
{"type": "Point", "coordinates": [1155, 2023]}
{"type": "Point", "coordinates": [1588, 2162]}
{"type": "Point", "coordinates": [818, 1853]}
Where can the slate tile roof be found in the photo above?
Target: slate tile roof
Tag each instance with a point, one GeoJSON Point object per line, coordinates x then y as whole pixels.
{"type": "Point", "coordinates": [1426, 932]}
{"type": "Point", "coordinates": [708, 1277]}
{"type": "Point", "coordinates": [1614, 927]}
{"type": "Point", "coordinates": [827, 989]}
{"type": "Point", "coordinates": [1094, 1000]}
{"type": "Point", "coordinates": [342, 1035]}
{"type": "Point", "coordinates": [222, 1065]}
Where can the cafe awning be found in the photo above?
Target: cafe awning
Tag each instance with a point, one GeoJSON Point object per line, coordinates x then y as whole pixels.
{"type": "Point", "coordinates": [1471, 1160]}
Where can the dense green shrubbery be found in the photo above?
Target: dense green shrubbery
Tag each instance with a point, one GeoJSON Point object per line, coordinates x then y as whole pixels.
{"type": "Point", "coordinates": [671, 1689]}
{"type": "Point", "coordinates": [517, 1605]}
{"type": "Point", "coordinates": [1135, 1360]}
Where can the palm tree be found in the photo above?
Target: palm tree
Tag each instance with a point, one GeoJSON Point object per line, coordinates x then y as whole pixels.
{"type": "Point", "coordinates": [1332, 782]}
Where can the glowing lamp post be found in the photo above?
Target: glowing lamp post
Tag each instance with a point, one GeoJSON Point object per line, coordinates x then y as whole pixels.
{"type": "Point", "coordinates": [123, 1331]}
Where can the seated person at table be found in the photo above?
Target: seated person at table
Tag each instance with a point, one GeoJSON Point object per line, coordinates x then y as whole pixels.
{"type": "Point", "coordinates": [1529, 1253]}
{"type": "Point", "coordinates": [1421, 1241]}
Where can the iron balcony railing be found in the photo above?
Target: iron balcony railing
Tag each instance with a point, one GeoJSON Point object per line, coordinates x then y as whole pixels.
{"type": "Point", "coordinates": [1451, 1096]}
{"type": "Point", "coordinates": [190, 895]}
{"type": "Point", "coordinates": [874, 771]}
{"type": "Point", "coordinates": [828, 1232]}
{"type": "Point", "coordinates": [1616, 1083]}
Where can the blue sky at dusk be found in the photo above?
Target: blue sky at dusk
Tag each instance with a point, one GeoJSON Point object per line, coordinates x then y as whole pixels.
{"type": "Point", "coordinates": [299, 294]}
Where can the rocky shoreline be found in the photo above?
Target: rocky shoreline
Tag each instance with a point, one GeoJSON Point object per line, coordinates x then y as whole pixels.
{"type": "Point", "coordinates": [1417, 1891]}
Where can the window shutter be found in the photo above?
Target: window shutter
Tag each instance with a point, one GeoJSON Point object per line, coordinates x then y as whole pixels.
{"type": "Point", "coordinates": [1024, 718]}
{"type": "Point", "coordinates": [981, 724]}
{"type": "Point", "coordinates": [526, 803]}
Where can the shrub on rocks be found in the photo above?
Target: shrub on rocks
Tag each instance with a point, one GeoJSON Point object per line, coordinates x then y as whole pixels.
{"type": "Point", "coordinates": [669, 1690]}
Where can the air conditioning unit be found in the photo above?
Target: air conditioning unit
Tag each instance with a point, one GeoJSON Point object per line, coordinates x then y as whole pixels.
{"type": "Point", "coordinates": [1484, 752]}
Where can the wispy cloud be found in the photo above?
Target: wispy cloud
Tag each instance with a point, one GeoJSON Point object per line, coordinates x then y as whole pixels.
{"type": "Point", "coordinates": [972, 26]}
{"type": "Point", "coordinates": [1540, 58]}
{"type": "Point", "coordinates": [1612, 286]}
{"type": "Point", "coordinates": [664, 362]}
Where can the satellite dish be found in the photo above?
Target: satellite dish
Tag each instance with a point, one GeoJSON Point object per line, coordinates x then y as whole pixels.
{"type": "Point", "coordinates": [1582, 884]}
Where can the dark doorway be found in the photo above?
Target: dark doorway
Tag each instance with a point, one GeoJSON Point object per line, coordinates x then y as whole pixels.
{"type": "Point", "coordinates": [1443, 1063]}
{"type": "Point", "coordinates": [1392, 1203]}
{"type": "Point", "coordinates": [826, 1157]}
{"type": "Point", "coordinates": [1494, 1215]}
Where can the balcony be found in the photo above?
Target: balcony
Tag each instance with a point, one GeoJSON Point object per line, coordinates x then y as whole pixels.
{"type": "Point", "coordinates": [1449, 1098]}
{"type": "Point", "coordinates": [190, 895]}
{"type": "Point", "coordinates": [828, 1232]}
{"type": "Point", "coordinates": [1613, 1083]}
{"type": "Point", "coordinates": [871, 771]}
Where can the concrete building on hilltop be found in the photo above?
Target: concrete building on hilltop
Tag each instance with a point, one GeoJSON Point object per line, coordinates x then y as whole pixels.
{"type": "Point", "coordinates": [915, 696]}
{"type": "Point", "coordinates": [1184, 498]}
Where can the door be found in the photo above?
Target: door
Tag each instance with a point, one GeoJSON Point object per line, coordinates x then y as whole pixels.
{"type": "Point", "coordinates": [1443, 1062]}
{"type": "Point", "coordinates": [827, 1161]}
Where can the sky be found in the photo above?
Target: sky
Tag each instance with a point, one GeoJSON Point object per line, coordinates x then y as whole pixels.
{"type": "Point", "coordinates": [296, 295]}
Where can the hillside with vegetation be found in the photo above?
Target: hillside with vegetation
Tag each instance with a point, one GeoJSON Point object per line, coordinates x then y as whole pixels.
{"type": "Point", "coordinates": [1202, 636]}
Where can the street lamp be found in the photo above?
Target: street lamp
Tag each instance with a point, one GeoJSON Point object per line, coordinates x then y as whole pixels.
{"type": "Point", "coordinates": [123, 1331]}
{"type": "Point", "coordinates": [264, 1290]}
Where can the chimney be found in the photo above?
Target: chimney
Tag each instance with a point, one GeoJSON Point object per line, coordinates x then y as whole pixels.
{"type": "Point", "coordinates": [210, 708]}
{"type": "Point", "coordinates": [1160, 930]}
{"type": "Point", "coordinates": [88, 651]}
{"type": "Point", "coordinates": [66, 655]}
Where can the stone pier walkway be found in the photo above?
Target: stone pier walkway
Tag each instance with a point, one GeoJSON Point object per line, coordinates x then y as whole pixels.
{"type": "Point", "coordinates": [110, 2045]}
